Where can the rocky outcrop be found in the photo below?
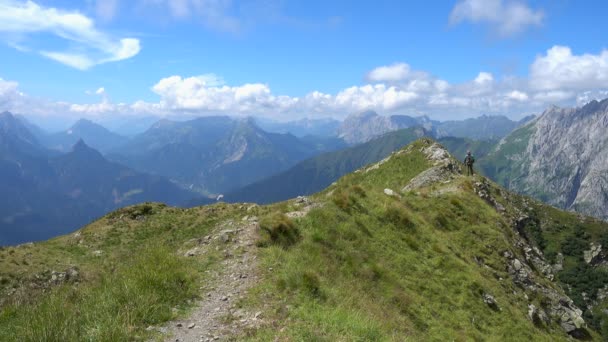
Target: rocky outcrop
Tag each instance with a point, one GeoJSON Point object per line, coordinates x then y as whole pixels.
{"type": "Point", "coordinates": [559, 306]}
{"type": "Point", "coordinates": [594, 255]}
{"type": "Point", "coordinates": [482, 189]}
{"type": "Point", "coordinates": [444, 168]}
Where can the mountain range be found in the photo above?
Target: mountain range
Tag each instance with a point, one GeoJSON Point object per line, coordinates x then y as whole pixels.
{"type": "Point", "coordinates": [407, 248]}
{"type": "Point", "coordinates": [235, 157]}
{"type": "Point", "coordinates": [46, 194]}
{"type": "Point", "coordinates": [215, 154]}
{"type": "Point", "coordinates": [364, 126]}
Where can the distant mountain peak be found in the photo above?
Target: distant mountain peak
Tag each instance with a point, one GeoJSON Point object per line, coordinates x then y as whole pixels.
{"type": "Point", "coordinates": [83, 150]}
{"type": "Point", "coordinates": [366, 114]}
{"type": "Point", "coordinates": [80, 145]}
{"type": "Point", "coordinates": [85, 124]}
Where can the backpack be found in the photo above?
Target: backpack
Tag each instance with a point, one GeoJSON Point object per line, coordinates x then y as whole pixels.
{"type": "Point", "coordinates": [469, 160]}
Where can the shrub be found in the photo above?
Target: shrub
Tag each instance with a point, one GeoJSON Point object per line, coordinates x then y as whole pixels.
{"type": "Point", "coordinates": [575, 244]}
{"type": "Point", "coordinates": [398, 216]}
{"type": "Point", "coordinates": [348, 199]}
{"type": "Point", "coordinates": [278, 229]}
{"type": "Point", "coordinates": [312, 285]}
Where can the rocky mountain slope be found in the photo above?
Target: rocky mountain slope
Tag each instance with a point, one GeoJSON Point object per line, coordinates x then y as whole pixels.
{"type": "Point", "coordinates": [365, 126]}
{"type": "Point", "coordinates": [362, 127]}
{"type": "Point", "coordinates": [484, 127]}
{"type": "Point", "coordinates": [404, 249]}
{"type": "Point", "coordinates": [560, 158]}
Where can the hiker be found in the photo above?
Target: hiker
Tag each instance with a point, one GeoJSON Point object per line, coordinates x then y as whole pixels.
{"type": "Point", "coordinates": [469, 160]}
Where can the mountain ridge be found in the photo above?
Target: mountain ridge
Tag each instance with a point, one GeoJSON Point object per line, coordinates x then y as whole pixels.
{"type": "Point", "coordinates": [559, 157]}
{"type": "Point", "coordinates": [404, 248]}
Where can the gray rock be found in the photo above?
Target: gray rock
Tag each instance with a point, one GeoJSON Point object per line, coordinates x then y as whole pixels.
{"type": "Point", "coordinates": [536, 315]}
{"type": "Point", "coordinates": [593, 252]}
{"type": "Point", "coordinates": [389, 192]}
{"type": "Point", "coordinates": [490, 301]}
{"type": "Point", "coordinates": [559, 263]}
{"type": "Point", "coordinates": [191, 326]}
{"type": "Point", "coordinates": [192, 252]}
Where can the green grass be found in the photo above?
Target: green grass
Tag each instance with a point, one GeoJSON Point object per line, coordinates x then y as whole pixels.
{"type": "Point", "coordinates": [361, 266]}
{"type": "Point", "coordinates": [138, 281]}
{"type": "Point", "coordinates": [117, 307]}
{"type": "Point", "coordinates": [370, 267]}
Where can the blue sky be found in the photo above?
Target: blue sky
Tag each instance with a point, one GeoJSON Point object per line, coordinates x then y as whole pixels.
{"type": "Point", "coordinates": [288, 59]}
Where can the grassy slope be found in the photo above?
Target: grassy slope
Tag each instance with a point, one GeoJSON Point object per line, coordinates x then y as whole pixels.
{"type": "Point", "coordinates": [136, 282]}
{"type": "Point", "coordinates": [373, 267]}
{"type": "Point", "coordinates": [364, 266]}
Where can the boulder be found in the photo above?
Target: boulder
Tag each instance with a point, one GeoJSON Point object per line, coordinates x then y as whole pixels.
{"type": "Point", "coordinates": [490, 301]}
{"type": "Point", "coordinates": [593, 253]}
{"type": "Point", "coordinates": [389, 192]}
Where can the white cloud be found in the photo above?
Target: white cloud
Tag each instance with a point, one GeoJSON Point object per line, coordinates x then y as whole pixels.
{"type": "Point", "coordinates": [506, 16]}
{"type": "Point", "coordinates": [517, 95]}
{"type": "Point", "coordinates": [391, 73]}
{"type": "Point", "coordinates": [92, 46]}
{"type": "Point", "coordinates": [557, 78]}
{"type": "Point", "coordinates": [484, 78]}
{"type": "Point", "coordinates": [560, 69]}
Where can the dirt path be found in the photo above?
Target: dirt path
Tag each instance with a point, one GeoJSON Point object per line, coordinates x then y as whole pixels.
{"type": "Point", "coordinates": [216, 317]}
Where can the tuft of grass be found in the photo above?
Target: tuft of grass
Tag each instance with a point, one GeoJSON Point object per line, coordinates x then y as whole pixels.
{"type": "Point", "coordinates": [278, 229]}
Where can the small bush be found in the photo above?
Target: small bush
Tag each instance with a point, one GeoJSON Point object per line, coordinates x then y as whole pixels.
{"type": "Point", "coordinates": [278, 229]}
{"type": "Point", "coordinates": [312, 284]}
{"type": "Point", "coordinates": [399, 217]}
{"type": "Point", "coordinates": [358, 190]}
{"type": "Point", "coordinates": [348, 199]}
{"type": "Point", "coordinates": [576, 244]}
{"type": "Point", "coordinates": [444, 221]}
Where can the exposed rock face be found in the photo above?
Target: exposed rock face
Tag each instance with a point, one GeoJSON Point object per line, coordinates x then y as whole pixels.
{"type": "Point", "coordinates": [444, 168]}
{"type": "Point", "coordinates": [560, 307]}
{"type": "Point", "coordinates": [362, 127]}
{"type": "Point", "coordinates": [593, 254]}
{"type": "Point", "coordinates": [365, 126]}
{"type": "Point", "coordinates": [561, 158]}
{"type": "Point", "coordinates": [525, 264]}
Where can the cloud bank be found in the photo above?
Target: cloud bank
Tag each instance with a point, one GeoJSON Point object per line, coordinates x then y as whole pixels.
{"type": "Point", "coordinates": [557, 77]}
